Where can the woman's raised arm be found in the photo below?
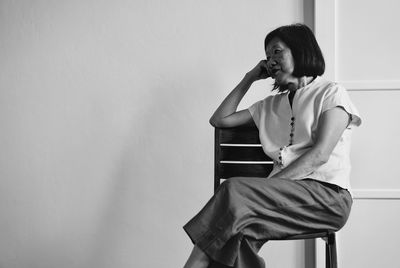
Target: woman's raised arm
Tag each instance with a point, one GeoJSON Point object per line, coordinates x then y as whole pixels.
{"type": "Point", "coordinates": [226, 114]}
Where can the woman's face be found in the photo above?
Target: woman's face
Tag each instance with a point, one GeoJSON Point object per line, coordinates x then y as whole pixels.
{"type": "Point", "coordinates": [280, 62]}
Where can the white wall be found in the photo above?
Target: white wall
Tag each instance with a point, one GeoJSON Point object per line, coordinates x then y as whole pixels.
{"type": "Point", "coordinates": [105, 145]}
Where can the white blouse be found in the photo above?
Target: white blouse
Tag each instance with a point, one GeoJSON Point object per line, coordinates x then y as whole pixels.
{"type": "Point", "coordinates": [288, 132]}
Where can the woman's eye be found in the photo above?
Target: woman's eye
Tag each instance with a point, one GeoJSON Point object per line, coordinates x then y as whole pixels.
{"type": "Point", "coordinates": [276, 51]}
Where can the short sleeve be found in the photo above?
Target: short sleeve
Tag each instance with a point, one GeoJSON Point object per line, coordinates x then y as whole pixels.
{"type": "Point", "coordinates": [255, 111]}
{"type": "Point", "coordinates": [337, 96]}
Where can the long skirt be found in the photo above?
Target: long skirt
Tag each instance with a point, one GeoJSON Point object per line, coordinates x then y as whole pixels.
{"type": "Point", "coordinates": [244, 213]}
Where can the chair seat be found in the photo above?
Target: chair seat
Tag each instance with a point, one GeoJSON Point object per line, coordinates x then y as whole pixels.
{"type": "Point", "coordinates": [306, 236]}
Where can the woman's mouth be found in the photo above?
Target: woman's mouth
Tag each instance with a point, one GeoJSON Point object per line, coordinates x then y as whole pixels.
{"type": "Point", "coordinates": [274, 72]}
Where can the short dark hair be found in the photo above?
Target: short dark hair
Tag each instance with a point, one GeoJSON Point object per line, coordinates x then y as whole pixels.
{"type": "Point", "coordinates": [307, 55]}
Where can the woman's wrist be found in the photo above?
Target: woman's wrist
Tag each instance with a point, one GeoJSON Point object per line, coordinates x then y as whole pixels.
{"type": "Point", "coordinates": [249, 77]}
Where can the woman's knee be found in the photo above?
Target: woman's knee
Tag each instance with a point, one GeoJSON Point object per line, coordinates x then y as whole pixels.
{"type": "Point", "coordinates": [232, 185]}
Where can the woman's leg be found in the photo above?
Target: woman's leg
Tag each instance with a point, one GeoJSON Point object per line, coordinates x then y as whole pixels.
{"type": "Point", "coordinates": [247, 255]}
{"type": "Point", "coordinates": [262, 209]}
{"type": "Point", "coordinates": [197, 259]}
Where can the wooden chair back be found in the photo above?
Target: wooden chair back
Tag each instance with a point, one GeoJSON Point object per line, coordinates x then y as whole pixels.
{"type": "Point", "coordinates": [238, 152]}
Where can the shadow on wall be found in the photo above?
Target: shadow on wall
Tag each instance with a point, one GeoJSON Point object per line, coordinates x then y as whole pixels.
{"type": "Point", "coordinates": [169, 149]}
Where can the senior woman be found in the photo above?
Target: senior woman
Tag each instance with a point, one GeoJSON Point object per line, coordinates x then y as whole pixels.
{"type": "Point", "coordinates": [305, 128]}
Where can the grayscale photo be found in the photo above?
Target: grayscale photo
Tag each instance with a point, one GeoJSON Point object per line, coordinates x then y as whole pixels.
{"type": "Point", "coordinates": [199, 134]}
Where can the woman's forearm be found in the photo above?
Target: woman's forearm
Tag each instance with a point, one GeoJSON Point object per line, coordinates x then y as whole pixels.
{"type": "Point", "coordinates": [231, 102]}
{"type": "Point", "coordinates": [303, 166]}
{"type": "Point", "coordinates": [332, 124]}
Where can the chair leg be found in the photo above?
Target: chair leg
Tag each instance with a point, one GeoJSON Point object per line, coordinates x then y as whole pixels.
{"type": "Point", "coordinates": [330, 251]}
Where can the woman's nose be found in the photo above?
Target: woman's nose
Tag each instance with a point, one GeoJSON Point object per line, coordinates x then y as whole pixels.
{"type": "Point", "coordinates": [271, 63]}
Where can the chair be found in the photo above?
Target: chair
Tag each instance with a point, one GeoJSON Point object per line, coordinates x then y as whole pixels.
{"type": "Point", "coordinates": [238, 152]}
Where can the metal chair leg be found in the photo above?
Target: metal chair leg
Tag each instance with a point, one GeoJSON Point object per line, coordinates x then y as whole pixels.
{"type": "Point", "coordinates": [330, 251]}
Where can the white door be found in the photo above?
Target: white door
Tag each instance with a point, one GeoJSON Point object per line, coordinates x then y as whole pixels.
{"type": "Point", "coordinates": [363, 48]}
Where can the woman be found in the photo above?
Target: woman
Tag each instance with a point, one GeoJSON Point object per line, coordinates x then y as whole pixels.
{"type": "Point", "coordinates": [305, 128]}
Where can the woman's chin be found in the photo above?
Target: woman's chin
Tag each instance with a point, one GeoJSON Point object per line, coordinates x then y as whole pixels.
{"type": "Point", "coordinates": [279, 82]}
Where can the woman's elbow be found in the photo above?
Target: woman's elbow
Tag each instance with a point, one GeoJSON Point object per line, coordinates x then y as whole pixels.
{"type": "Point", "coordinates": [213, 122]}
{"type": "Point", "coordinates": [223, 122]}
{"type": "Point", "coordinates": [321, 157]}
{"type": "Point", "coordinates": [216, 123]}
{"type": "Point", "coordinates": [323, 160]}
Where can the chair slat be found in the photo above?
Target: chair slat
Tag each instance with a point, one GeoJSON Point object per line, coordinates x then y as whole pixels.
{"type": "Point", "coordinates": [243, 154]}
{"type": "Point", "coordinates": [239, 135]}
{"type": "Point", "coordinates": [244, 170]}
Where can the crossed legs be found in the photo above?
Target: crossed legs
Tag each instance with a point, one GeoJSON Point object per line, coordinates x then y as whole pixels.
{"type": "Point", "coordinates": [244, 213]}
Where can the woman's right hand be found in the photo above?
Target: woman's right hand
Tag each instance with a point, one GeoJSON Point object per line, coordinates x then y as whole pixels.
{"type": "Point", "coordinates": [260, 71]}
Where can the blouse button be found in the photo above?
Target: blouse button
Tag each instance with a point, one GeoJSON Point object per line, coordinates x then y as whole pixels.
{"type": "Point", "coordinates": [292, 118]}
